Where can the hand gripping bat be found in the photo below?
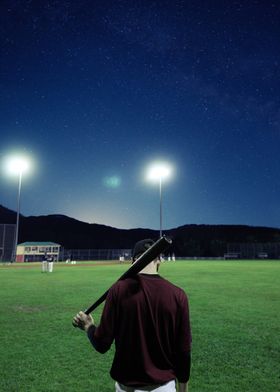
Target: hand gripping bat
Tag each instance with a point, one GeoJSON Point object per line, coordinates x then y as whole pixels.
{"type": "Point", "coordinates": [152, 253]}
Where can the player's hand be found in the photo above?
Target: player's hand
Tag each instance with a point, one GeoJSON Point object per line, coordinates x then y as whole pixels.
{"type": "Point", "coordinates": [83, 321]}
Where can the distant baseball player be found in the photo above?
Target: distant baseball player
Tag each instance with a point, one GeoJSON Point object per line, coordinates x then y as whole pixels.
{"type": "Point", "coordinates": [44, 263]}
{"type": "Point", "coordinates": [148, 319]}
{"type": "Point", "coordinates": [50, 263]}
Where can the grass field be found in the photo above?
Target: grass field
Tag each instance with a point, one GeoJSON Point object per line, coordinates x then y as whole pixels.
{"type": "Point", "coordinates": [235, 314]}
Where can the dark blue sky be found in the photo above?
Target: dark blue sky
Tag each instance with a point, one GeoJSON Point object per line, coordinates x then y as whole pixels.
{"type": "Point", "coordinates": [95, 90]}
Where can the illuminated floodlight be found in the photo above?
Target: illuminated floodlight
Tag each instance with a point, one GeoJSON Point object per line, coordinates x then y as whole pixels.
{"type": "Point", "coordinates": [158, 172]}
{"type": "Point", "coordinates": [17, 165]}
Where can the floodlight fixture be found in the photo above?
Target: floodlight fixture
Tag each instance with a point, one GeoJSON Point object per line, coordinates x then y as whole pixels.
{"type": "Point", "coordinates": [158, 172]}
{"type": "Point", "coordinates": [17, 165]}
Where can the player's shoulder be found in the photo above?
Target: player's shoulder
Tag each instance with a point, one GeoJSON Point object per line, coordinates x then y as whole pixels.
{"type": "Point", "coordinates": [173, 287]}
{"type": "Point", "coordinates": [123, 284]}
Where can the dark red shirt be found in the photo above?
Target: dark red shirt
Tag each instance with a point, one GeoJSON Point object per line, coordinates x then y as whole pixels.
{"type": "Point", "coordinates": [148, 318]}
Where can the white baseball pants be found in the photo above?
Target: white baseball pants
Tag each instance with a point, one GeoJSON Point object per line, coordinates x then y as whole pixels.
{"type": "Point", "coordinates": [168, 387]}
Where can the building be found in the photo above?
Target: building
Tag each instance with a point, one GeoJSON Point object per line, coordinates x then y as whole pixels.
{"type": "Point", "coordinates": [36, 251]}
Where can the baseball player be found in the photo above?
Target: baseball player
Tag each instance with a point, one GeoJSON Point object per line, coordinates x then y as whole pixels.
{"type": "Point", "coordinates": [147, 317]}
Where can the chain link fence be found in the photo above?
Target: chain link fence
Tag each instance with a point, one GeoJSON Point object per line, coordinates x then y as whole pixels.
{"type": "Point", "coordinates": [94, 254]}
{"type": "Point", "coordinates": [7, 238]}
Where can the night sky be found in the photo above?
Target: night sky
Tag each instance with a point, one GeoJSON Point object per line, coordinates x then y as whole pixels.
{"type": "Point", "coordinates": [94, 91]}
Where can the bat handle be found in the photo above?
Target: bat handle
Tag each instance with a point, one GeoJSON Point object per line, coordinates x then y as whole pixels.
{"type": "Point", "coordinates": [97, 303]}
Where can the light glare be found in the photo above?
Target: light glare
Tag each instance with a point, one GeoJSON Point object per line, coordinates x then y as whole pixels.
{"type": "Point", "coordinates": [16, 165]}
{"type": "Point", "coordinates": [159, 171]}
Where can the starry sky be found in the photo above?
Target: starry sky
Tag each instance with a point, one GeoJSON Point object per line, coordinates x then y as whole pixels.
{"type": "Point", "coordinates": [95, 91]}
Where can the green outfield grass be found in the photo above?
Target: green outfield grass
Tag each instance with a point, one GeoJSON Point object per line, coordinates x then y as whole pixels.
{"type": "Point", "coordinates": [235, 314]}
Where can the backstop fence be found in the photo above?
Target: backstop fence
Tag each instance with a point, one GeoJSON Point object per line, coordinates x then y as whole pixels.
{"type": "Point", "coordinates": [94, 254]}
{"type": "Point", "coordinates": [266, 250]}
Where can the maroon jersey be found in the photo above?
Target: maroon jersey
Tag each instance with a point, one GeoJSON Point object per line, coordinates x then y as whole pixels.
{"type": "Point", "coordinates": [148, 318]}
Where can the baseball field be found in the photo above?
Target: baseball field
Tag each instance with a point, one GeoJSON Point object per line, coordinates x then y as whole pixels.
{"type": "Point", "coordinates": [235, 315]}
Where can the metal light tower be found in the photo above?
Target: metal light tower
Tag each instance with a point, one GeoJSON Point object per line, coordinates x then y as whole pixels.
{"type": "Point", "coordinates": [159, 171]}
{"type": "Point", "coordinates": [17, 165]}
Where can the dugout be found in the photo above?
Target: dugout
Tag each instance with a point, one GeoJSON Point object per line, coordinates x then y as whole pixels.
{"type": "Point", "coordinates": [36, 251]}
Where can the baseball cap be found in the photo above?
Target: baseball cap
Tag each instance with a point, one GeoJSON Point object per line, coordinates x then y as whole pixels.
{"type": "Point", "coordinates": [141, 247]}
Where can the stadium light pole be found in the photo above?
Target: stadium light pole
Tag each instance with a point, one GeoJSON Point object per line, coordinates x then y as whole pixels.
{"type": "Point", "coordinates": [159, 171]}
{"type": "Point", "coordinates": [17, 165]}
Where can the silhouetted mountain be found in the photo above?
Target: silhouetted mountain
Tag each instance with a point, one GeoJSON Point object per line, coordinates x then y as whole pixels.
{"type": "Point", "coordinates": [6, 215]}
{"type": "Point", "coordinates": [188, 240]}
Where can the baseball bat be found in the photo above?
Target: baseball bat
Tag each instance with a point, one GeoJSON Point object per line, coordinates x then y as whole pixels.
{"type": "Point", "coordinates": [150, 254]}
